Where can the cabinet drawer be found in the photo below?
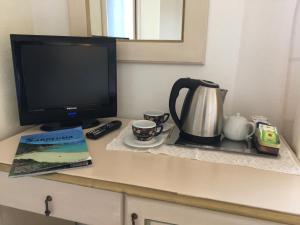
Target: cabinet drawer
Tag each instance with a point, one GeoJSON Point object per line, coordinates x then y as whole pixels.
{"type": "Point", "coordinates": [153, 212]}
{"type": "Point", "coordinates": [70, 202]}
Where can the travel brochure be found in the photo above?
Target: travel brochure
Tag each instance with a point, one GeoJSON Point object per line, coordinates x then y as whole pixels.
{"type": "Point", "coordinates": [48, 152]}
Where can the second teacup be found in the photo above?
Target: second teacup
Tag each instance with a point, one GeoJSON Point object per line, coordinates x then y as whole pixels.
{"type": "Point", "coordinates": [156, 116]}
{"type": "Point", "coordinates": [145, 130]}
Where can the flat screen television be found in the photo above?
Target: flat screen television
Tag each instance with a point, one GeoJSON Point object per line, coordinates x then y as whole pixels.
{"type": "Point", "coordinates": [64, 81]}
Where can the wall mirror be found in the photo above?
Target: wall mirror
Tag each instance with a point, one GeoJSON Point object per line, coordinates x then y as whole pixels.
{"type": "Point", "coordinates": [183, 41]}
{"type": "Point", "coordinates": [143, 19]}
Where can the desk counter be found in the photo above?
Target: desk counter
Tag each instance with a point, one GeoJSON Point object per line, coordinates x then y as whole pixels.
{"type": "Point", "coordinates": [232, 189]}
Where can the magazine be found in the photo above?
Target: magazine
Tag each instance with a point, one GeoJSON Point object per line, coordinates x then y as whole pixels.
{"type": "Point", "coordinates": [48, 152]}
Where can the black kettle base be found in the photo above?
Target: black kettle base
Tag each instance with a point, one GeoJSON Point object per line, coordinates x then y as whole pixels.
{"type": "Point", "coordinates": [213, 141]}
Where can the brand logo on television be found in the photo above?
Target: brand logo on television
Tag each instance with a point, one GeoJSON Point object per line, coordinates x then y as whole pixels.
{"type": "Point", "coordinates": [71, 108]}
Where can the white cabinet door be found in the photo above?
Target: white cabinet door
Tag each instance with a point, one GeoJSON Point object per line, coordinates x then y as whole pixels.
{"type": "Point", "coordinates": [70, 202]}
{"type": "Point", "coordinates": [152, 212]}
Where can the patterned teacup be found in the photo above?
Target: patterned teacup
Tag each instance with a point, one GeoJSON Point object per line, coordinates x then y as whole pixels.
{"type": "Point", "coordinates": [156, 116]}
{"type": "Point", "coordinates": [145, 130]}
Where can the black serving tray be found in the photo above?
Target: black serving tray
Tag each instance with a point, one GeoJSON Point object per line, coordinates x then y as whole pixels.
{"type": "Point", "coordinates": [239, 147]}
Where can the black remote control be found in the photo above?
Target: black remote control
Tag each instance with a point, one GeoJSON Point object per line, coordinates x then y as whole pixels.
{"type": "Point", "coordinates": [104, 129]}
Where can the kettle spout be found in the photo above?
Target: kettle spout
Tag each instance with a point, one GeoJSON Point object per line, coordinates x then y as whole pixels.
{"type": "Point", "coordinates": [223, 94]}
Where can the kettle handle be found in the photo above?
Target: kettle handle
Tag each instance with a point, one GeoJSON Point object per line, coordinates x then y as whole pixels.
{"type": "Point", "coordinates": [178, 85]}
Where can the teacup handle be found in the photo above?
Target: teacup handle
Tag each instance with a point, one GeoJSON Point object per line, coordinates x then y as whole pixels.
{"type": "Point", "coordinates": [166, 117]}
{"type": "Point", "coordinates": [253, 127]}
{"type": "Point", "coordinates": [160, 127]}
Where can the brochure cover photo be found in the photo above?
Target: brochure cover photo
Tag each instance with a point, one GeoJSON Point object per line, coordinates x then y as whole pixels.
{"type": "Point", "coordinates": [49, 152]}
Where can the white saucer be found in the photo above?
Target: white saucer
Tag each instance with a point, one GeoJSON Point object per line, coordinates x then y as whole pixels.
{"type": "Point", "coordinates": [131, 141]}
{"type": "Point", "coordinates": [167, 127]}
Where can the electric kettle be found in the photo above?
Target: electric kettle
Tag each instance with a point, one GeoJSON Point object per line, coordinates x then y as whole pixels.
{"type": "Point", "coordinates": [201, 118]}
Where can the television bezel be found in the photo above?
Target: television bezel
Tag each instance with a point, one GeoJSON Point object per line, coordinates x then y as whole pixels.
{"type": "Point", "coordinates": [79, 114]}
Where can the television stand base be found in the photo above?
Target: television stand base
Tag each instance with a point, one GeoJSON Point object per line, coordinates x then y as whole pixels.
{"type": "Point", "coordinates": [85, 124]}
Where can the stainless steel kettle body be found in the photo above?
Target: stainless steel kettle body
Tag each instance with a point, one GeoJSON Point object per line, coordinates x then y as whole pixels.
{"type": "Point", "coordinates": [201, 117]}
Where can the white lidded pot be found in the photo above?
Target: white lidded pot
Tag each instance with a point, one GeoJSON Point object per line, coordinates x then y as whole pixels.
{"type": "Point", "coordinates": [238, 128]}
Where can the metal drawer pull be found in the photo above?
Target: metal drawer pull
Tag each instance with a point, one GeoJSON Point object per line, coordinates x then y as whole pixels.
{"type": "Point", "coordinates": [134, 217]}
{"type": "Point", "coordinates": [48, 199]}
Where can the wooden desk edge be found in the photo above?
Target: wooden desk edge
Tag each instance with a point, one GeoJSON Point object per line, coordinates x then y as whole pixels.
{"type": "Point", "coordinates": [171, 197]}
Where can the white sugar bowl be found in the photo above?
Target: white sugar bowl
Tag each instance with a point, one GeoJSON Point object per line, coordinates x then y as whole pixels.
{"type": "Point", "coordinates": [238, 128]}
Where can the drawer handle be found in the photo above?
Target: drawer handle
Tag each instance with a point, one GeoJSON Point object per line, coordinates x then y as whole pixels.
{"type": "Point", "coordinates": [134, 217]}
{"type": "Point", "coordinates": [47, 200]}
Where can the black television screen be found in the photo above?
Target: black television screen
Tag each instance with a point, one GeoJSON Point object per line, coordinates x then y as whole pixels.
{"type": "Point", "coordinates": [64, 79]}
{"type": "Point", "coordinates": [71, 68]}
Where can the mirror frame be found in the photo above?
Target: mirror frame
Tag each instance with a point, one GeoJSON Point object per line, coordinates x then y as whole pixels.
{"type": "Point", "coordinates": [190, 50]}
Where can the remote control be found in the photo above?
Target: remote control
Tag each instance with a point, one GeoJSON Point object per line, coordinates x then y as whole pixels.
{"type": "Point", "coordinates": [103, 130]}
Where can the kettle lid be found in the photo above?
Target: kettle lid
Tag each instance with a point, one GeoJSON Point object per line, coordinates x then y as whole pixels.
{"type": "Point", "coordinates": [207, 83]}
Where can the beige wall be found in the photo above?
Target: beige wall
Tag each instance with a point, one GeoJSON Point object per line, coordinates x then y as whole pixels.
{"type": "Point", "coordinates": [248, 41]}
{"type": "Point", "coordinates": [148, 20]}
{"type": "Point", "coordinates": [147, 86]}
{"type": "Point", "coordinates": [170, 19]}
{"type": "Point", "coordinates": [50, 17]}
{"type": "Point", "coordinates": [15, 17]}
{"type": "Point", "coordinates": [247, 53]}
{"type": "Point", "coordinates": [263, 58]}
{"type": "Point", "coordinates": [291, 116]}
{"type": "Point", "coordinates": [159, 19]}
{"type": "Point", "coordinates": [28, 17]}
